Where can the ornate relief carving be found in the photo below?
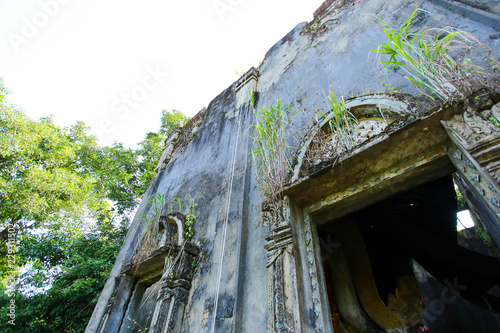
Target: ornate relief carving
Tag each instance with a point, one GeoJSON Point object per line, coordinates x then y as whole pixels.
{"type": "Point", "coordinates": [480, 140]}
{"type": "Point", "coordinates": [276, 247]}
{"type": "Point", "coordinates": [179, 139]}
{"type": "Point", "coordinates": [475, 152]}
{"type": "Point", "coordinates": [470, 129]}
{"type": "Point", "coordinates": [282, 275]}
{"type": "Point", "coordinates": [331, 144]}
{"type": "Point", "coordinates": [368, 128]}
{"type": "Point", "coordinates": [171, 301]}
{"type": "Point", "coordinates": [174, 259]}
{"type": "Point", "coordinates": [313, 274]}
{"type": "Point", "coordinates": [273, 255]}
{"type": "Point", "coordinates": [174, 289]}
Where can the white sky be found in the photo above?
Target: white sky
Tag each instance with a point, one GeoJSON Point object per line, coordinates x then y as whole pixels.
{"type": "Point", "coordinates": [93, 60]}
{"type": "Point", "coordinates": [464, 220]}
{"type": "Point", "coordinates": [79, 60]}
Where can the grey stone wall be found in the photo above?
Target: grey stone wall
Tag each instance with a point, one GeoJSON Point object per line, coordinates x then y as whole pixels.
{"type": "Point", "coordinates": [299, 70]}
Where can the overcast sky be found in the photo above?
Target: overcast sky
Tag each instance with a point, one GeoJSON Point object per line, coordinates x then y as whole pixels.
{"type": "Point", "coordinates": [115, 64]}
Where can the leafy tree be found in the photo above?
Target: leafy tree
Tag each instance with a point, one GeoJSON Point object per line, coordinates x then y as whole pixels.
{"type": "Point", "coordinates": [151, 147]}
{"type": "Point", "coordinates": [119, 176]}
{"type": "Point", "coordinates": [150, 150]}
{"type": "Point", "coordinates": [3, 90]}
{"type": "Point", "coordinates": [170, 120]}
{"type": "Point", "coordinates": [40, 180]}
{"type": "Point", "coordinates": [70, 202]}
{"type": "Point", "coordinates": [76, 266]}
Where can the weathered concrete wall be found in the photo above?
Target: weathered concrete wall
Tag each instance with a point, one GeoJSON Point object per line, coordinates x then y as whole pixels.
{"type": "Point", "coordinates": [299, 70]}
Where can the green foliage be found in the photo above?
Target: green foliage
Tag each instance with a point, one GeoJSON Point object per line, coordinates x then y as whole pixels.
{"type": "Point", "coordinates": [171, 120]}
{"type": "Point", "coordinates": [462, 204]}
{"type": "Point", "coordinates": [494, 121]}
{"type": "Point", "coordinates": [3, 90]}
{"type": "Point", "coordinates": [41, 181]}
{"type": "Point", "coordinates": [150, 150]}
{"type": "Point", "coordinates": [118, 176]}
{"type": "Point", "coordinates": [193, 264]}
{"type": "Point", "coordinates": [62, 299]}
{"type": "Point", "coordinates": [481, 232]}
{"type": "Point", "coordinates": [341, 121]}
{"type": "Point", "coordinates": [447, 63]}
{"type": "Point", "coordinates": [483, 235]}
{"type": "Point", "coordinates": [272, 154]}
{"type": "Point", "coordinates": [191, 217]}
{"type": "Point", "coordinates": [150, 218]}
{"type": "Point", "coordinates": [70, 202]}
{"type": "Point", "coordinates": [156, 203]}
{"type": "Point", "coordinates": [52, 176]}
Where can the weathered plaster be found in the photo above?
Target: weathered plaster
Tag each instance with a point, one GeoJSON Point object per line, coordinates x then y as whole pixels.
{"type": "Point", "coordinates": [299, 70]}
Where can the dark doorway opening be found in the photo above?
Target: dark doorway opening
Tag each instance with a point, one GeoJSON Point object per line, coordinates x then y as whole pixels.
{"type": "Point", "coordinates": [385, 244]}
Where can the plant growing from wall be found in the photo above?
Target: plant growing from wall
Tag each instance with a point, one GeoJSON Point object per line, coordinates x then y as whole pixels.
{"type": "Point", "coordinates": [446, 63]}
{"type": "Point", "coordinates": [136, 327]}
{"type": "Point", "coordinates": [483, 235]}
{"type": "Point", "coordinates": [341, 122]}
{"type": "Point", "coordinates": [150, 219]}
{"type": "Point", "coordinates": [156, 203]}
{"type": "Point", "coordinates": [338, 138]}
{"type": "Point", "coordinates": [191, 217]}
{"type": "Point", "coordinates": [272, 154]}
{"type": "Point", "coordinates": [271, 134]}
{"type": "Point", "coordinates": [171, 267]}
{"type": "Point", "coordinates": [494, 121]}
{"type": "Point", "coordinates": [481, 232]}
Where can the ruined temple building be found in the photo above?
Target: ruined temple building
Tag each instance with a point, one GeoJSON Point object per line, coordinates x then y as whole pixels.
{"type": "Point", "coordinates": [360, 235]}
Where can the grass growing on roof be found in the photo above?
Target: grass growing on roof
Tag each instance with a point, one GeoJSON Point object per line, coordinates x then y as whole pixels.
{"type": "Point", "coordinates": [445, 62]}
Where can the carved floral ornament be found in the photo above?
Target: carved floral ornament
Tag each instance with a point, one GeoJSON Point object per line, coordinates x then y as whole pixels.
{"type": "Point", "coordinates": [471, 129]}
{"type": "Point", "coordinates": [373, 114]}
{"type": "Point", "coordinates": [476, 154]}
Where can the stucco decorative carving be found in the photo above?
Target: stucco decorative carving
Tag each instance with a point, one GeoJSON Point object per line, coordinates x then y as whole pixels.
{"type": "Point", "coordinates": [175, 284]}
{"type": "Point", "coordinates": [168, 235]}
{"type": "Point", "coordinates": [331, 145]}
{"type": "Point", "coordinates": [283, 316]}
{"type": "Point", "coordinates": [495, 111]}
{"type": "Point", "coordinates": [475, 152]}
{"type": "Point", "coordinates": [168, 151]}
{"type": "Point", "coordinates": [171, 229]}
{"type": "Point", "coordinates": [174, 258]}
{"type": "Point", "coordinates": [180, 139]}
{"type": "Point", "coordinates": [480, 179]}
{"type": "Point", "coordinates": [313, 274]}
{"type": "Point", "coordinates": [171, 301]}
{"type": "Point", "coordinates": [367, 128]}
{"type": "Point", "coordinates": [470, 130]}
{"type": "Point", "coordinates": [276, 248]}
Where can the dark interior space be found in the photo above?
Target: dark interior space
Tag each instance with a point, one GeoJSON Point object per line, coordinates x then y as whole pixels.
{"type": "Point", "coordinates": [420, 224]}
